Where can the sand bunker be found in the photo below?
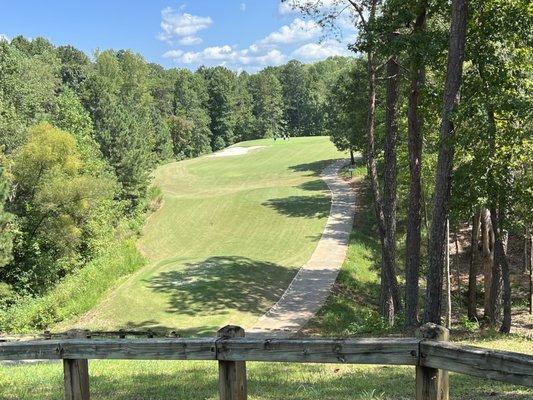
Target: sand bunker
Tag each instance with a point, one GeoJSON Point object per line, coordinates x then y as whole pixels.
{"type": "Point", "coordinates": [234, 151]}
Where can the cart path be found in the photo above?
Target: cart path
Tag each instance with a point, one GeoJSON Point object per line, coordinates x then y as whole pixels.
{"type": "Point", "coordinates": [312, 285]}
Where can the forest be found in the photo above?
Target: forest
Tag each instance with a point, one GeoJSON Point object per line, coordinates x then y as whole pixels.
{"type": "Point", "coordinates": [80, 137]}
{"type": "Point", "coordinates": [436, 99]}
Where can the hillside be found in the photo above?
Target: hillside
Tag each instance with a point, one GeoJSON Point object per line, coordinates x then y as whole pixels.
{"type": "Point", "coordinates": [227, 240]}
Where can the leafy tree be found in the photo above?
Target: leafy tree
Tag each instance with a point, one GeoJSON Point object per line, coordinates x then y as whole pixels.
{"type": "Point", "coordinates": [6, 218]}
{"type": "Point", "coordinates": [53, 203]}
{"type": "Point", "coordinates": [189, 129]}
{"type": "Point", "coordinates": [268, 105]}
{"type": "Point", "coordinates": [221, 87]}
{"type": "Point", "coordinates": [346, 109]}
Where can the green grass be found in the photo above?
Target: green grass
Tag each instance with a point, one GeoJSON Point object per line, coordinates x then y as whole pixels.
{"type": "Point", "coordinates": [227, 240]}
{"type": "Point", "coordinates": [78, 293]}
{"type": "Point", "coordinates": [349, 311]}
{"type": "Point", "coordinates": [195, 380]}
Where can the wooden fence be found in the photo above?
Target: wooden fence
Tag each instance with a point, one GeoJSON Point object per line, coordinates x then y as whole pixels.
{"type": "Point", "coordinates": [430, 354]}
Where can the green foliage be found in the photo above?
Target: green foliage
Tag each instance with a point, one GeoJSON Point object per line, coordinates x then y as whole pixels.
{"type": "Point", "coordinates": [53, 203]}
{"type": "Point", "coordinates": [347, 109]}
{"type": "Point", "coordinates": [221, 88]}
{"type": "Point", "coordinates": [76, 294]}
{"type": "Point", "coordinates": [267, 97]}
{"type": "Point", "coordinates": [189, 126]}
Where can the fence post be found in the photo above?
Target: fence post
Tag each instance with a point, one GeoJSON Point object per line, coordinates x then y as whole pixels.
{"type": "Point", "coordinates": [76, 372]}
{"type": "Point", "coordinates": [231, 374]}
{"type": "Point", "coordinates": [432, 383]}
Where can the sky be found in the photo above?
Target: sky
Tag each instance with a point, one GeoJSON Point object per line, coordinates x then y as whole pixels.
{"type": "Point", "coordinates": [240, 34]}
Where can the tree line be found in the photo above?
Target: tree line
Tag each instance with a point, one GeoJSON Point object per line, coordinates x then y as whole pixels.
{"type": "Point", "coordinates": [80, 137]}
{"type": "Point", "coordinates": [444, 124]}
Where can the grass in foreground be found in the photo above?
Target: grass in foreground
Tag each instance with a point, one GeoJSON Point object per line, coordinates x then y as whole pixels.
{"type": "Point", "coordinates": [348, 312]}
{"type": "Point", "coordinates": [228, 239]}
{"type": "Point", "coordinates": [194, 380]}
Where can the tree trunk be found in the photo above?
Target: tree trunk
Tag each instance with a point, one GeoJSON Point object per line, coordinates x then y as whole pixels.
{"type": "Point", "coordinates": [352, 157]}
{"type": "Point", "coordinates": [487, 238]}
{"type": "Point", "coordinates": [457, 264]}
{"type": "Point", "coordinates": [472, 272]}
{"type": "Point", "coordinates": [414, 216]}
{"type": "Point", "coordinates": [500, 276]}
{"type": "Point", "coordinates": [447, 280]}
{"type": "Point", "coordinates": [527, 258]}
{"type": "Point", "coordinates": [452, 87]}
{"type": "Point", "coordinates": [389, 293]}
{"type": "Point", "coordinates": [530, 273]}
{"type": "Point", "coordinates": [389, 178]}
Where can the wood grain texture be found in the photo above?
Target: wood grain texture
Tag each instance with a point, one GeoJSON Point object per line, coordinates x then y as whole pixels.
{"type": "Point", "coordinates": [76, 379]}
{"type": "Point", "coordinates": [498, 365]}
{"type": "Point", "coordinates": [352, 351]}
{"type": "Point", "coordinates": [232, 381]}
{"type": "Point", "coordinates": [432, 383]}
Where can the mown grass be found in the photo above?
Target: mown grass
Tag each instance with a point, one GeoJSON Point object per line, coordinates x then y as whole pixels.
{"type": "Point", "coordinates": [195, 380]}
{"type": "Point", "coordinates": [227, 240]}
{"type": "Point", "coordinates": [349, 311]}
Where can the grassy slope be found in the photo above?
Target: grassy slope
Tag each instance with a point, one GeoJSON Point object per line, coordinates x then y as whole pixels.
{"type": "Point", "coordinates": [227, 241]}
{"type": "Point", "coordinates": [348, 311]}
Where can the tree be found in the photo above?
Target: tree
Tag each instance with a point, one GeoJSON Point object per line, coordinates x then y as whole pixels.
{"type": "Point", "coordinates": [221, 86]}
{"type": "Point", "coordinates": [6, 218]}
{"type": "Point", "coordinates": [53, 204]}
{"type": "Point", "coordinates": [296, 98]}
{"type": "Point", "coordinates": [268, 105]}
{"type": "Point", "coordinates": [437, 241]}
{"type": "Point", "coordinates": [346, 105]}
{"type": "Point", "coordinates": [190, 112]}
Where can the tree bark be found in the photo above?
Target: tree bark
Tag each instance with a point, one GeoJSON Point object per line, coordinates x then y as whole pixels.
{"type": "Point", "coordinates": [530, 273]}
{"type": "Point", "coordinates": [447, 280]}
{"type": "Point", "coordinates": [389, 293]}
{"type": "Point", "coordinates": [501, 286]}
{"type": "Point", "coordinates": [472, 272]}
{"type": "Point", "coordinates": [414, 216]}
{"type": "Point", "coordinates": [487, 238]}
{"type": "Point", "coordinates": [352, 157]}
{"type": "Point", "coordinates": [390, 287]}
{"type": "Point", "coordinates": [452, 87]}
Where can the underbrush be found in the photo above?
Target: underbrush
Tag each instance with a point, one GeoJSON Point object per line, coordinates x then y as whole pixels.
{"type": "Point", "coordinates": [77, 293]}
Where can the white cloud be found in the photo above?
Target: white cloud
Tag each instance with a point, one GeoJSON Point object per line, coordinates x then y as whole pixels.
{"type": "Point", "coordinates": [298, 31]}
{"type": "Point", "coordinates": [243, 7]}
{"type": "Point", "coordinates": [190, 40]}
{"type": "Point", "coordinates": [173, 54]}
{"type": "Point", "coordinates": [318, 51]}
{"type": "Point", "coordinates": [229, 56]}
{"type": "Point", "coordinates": [177, 24]}
{"type": "Point", "coordinates": [4, 37]}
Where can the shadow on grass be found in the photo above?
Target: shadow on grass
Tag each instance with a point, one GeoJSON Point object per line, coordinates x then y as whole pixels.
{"type": "Point", "coordinates": [316, 206]}
{"type": "Point", "coordinates": [219, 284]}
{"type": "Point", "coordinates": [314, 168]}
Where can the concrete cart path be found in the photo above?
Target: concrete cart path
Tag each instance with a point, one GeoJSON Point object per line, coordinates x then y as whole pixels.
{"type": "Point", "coordinates": [312, 285]}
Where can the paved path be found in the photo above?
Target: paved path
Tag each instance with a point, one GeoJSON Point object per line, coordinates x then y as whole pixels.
{"type": "Point", "coordinates": [311, 286]}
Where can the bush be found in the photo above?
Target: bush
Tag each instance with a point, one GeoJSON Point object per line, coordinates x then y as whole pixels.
{"type": "Point", "coordinates": [76, 294]}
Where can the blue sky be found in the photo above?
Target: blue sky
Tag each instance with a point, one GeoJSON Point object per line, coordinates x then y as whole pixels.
{"type": "Point", "coordinates": [241, 34]}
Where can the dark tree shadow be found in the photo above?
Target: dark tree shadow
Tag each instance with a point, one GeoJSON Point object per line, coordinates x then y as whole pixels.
{"type": "Point", "coordinates": [221, 283]}
{"type": "Point", "coordinates": [316, 206]}
{"type": "Point", "coordinates": [314, 168]}
{"type": "Point", "coordinates": [315, 185]}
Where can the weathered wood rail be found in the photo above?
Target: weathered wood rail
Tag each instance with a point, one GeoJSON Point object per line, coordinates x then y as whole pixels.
{"type": "Point", "coordinates": [430, 354]}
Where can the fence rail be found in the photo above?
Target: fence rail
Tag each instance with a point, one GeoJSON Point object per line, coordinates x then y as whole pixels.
{"type": "Point", "coordinates": [431, 354]}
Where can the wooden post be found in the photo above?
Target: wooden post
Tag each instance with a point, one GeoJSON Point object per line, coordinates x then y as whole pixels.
{"type": "Point", "coordinates": [231, 374]}
{"type": "Point", "coordinates": [76, 372]}
{"type": "Point", "coordinates": [431, 383]}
